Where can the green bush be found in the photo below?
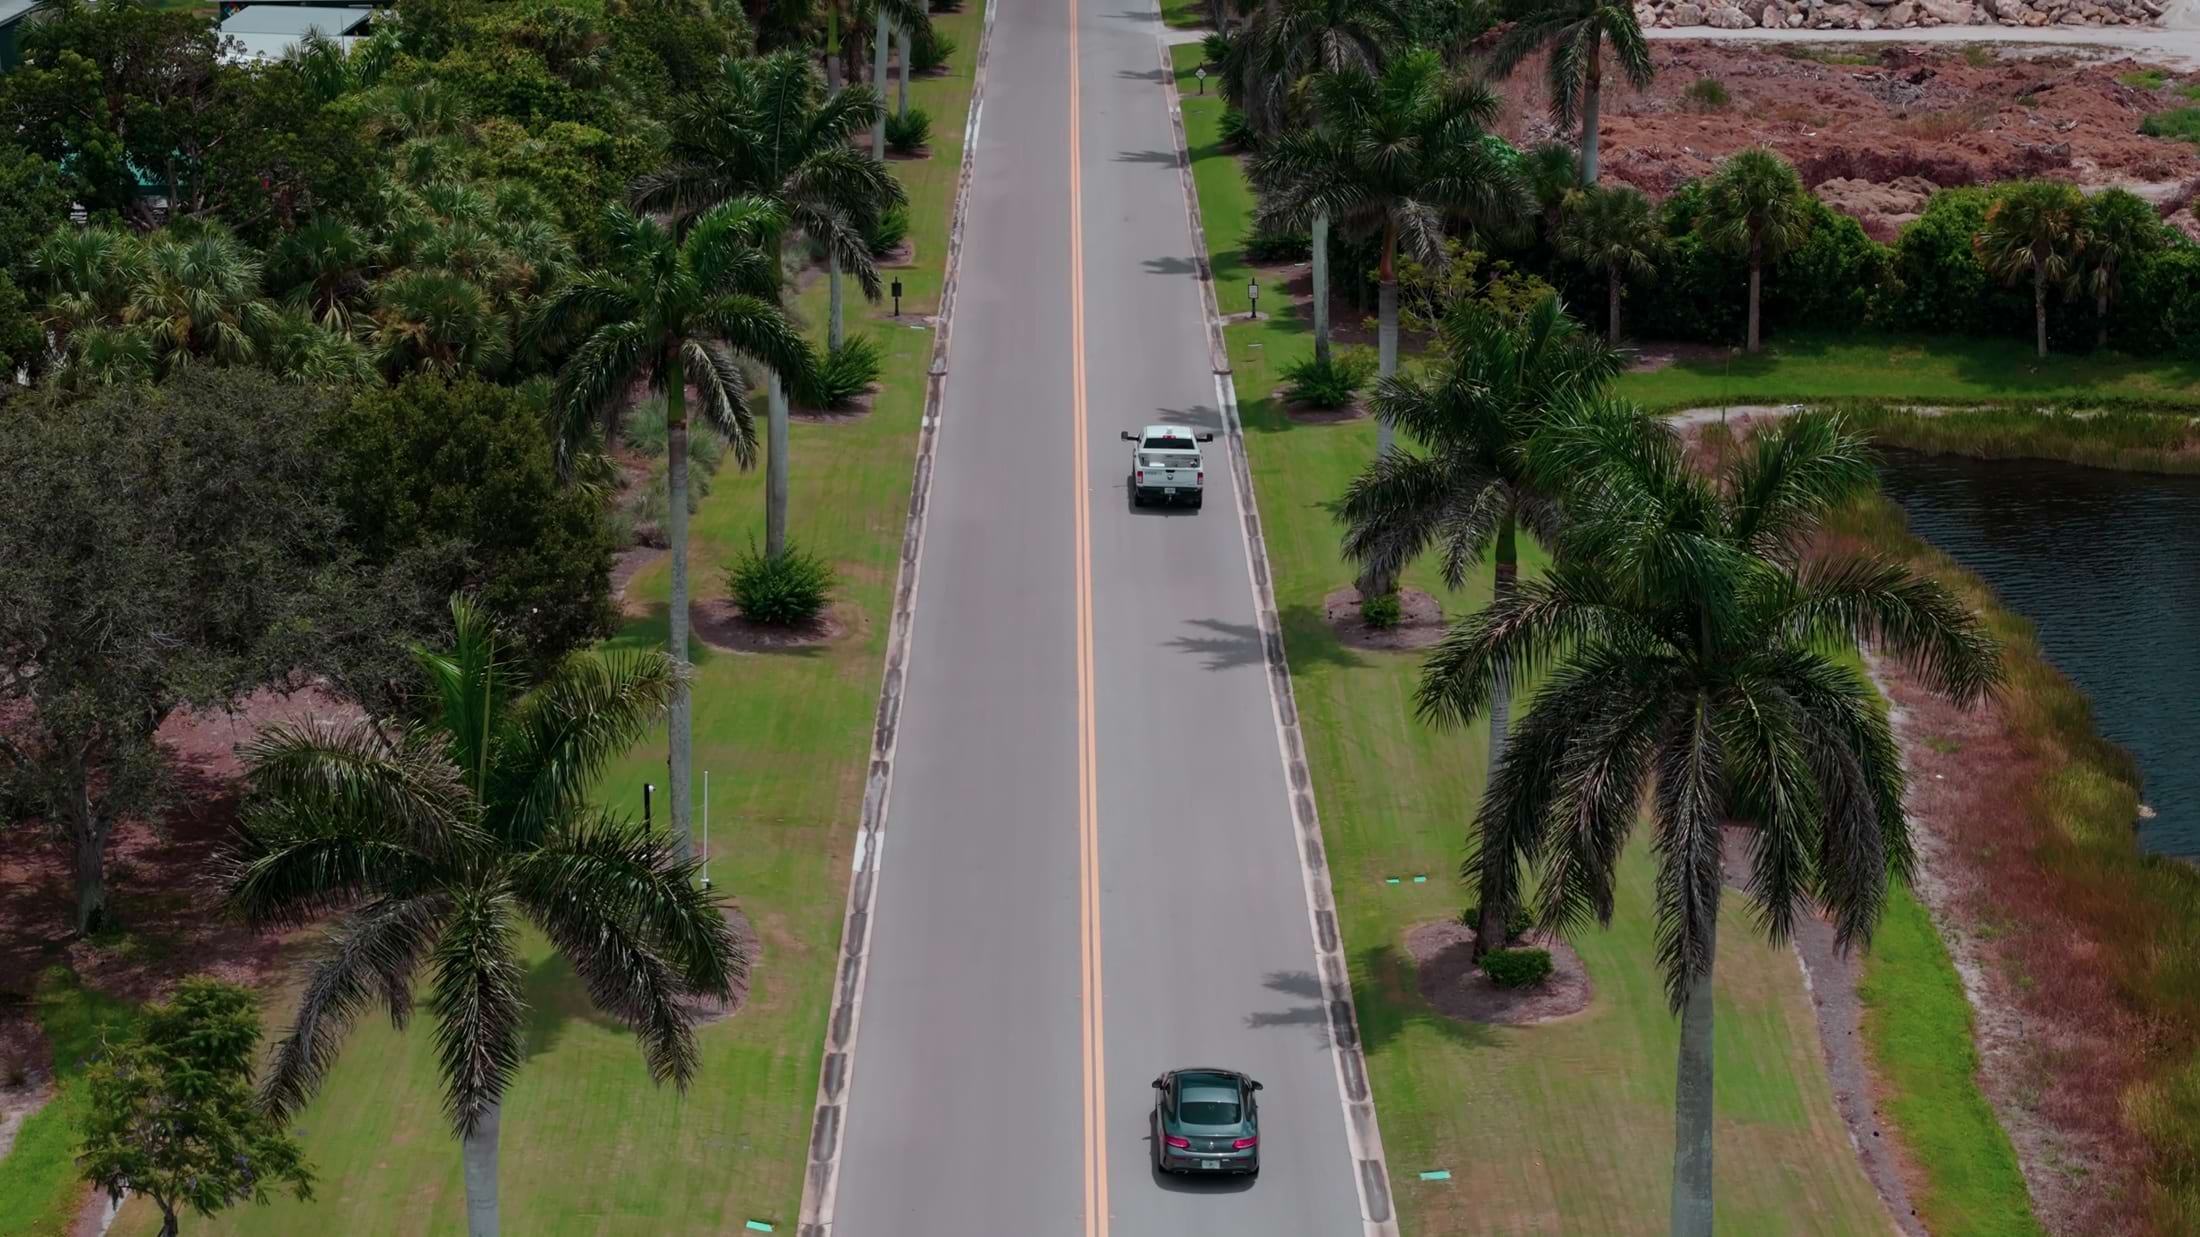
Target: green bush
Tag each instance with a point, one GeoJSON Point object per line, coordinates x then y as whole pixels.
{"type": "Point", "coordinates": [1942, 286]}
{"type": "Point", "coordinates": [1518, 921]}
{"type": "Point", "coordinates": [790, 589]}
{"type": "Point", "coordinates": [930, 51]}
{"type": "Point", "coordinates": [1706, 94]}
{"type": "Point", "coordinates": [2159, 311]}
{"type": "Point", "coordinates": [1517, 968]}
{"type": "Point", "coordinates": [845, 373]}
{"type": "Point", "coordinates": [1838, 276]}
{"type": "Point", "coordinates": [2181, 123]}
{"type": "Point", "coordinates": [1313, 383]}
{"type": "Point", "coordinates": [1237, 131]}
{"type": "Point", "coordinates": [1276, 248]}
{"type": "Point", "coordinates": [1382, 611]}
{"type": "Point", "coordinates": [908, 132]}
{"type": "Point", "coordinates": [887, 234]}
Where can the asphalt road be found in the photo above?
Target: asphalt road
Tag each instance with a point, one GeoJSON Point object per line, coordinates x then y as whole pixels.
{"type": "Point", "coordinates": [967, 1110]}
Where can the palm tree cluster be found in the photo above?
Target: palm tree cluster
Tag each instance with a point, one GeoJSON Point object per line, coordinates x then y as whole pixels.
{"type": "Point", "coordinates": [1683, 658]}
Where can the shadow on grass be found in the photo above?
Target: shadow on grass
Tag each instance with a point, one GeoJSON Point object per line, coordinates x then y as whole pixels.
{"type": "Point", "coordinates": [1390, 1002]}
{"type": "Point", "coordinates": [556, 998]}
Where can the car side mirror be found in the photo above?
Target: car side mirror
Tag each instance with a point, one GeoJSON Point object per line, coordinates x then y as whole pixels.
{"type": "Point", "coordinates": [1129, 437]}
{"type": "Point", "coordinates": [1256, 1086]}
{"type": "Point", "coordinates": [1209, 436]}
{"type": "Point", "coordinates": [1161, 1083]}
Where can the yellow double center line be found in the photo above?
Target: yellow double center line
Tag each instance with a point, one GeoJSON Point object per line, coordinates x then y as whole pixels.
{"type": "Point", "coordinates": [1088, 773]}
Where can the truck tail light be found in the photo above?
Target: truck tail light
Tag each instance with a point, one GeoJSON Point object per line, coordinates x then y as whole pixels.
{"type": "Point", "coordinates": [1141, 476]}
{"type": "Point", "coordinates": [1202, 475]}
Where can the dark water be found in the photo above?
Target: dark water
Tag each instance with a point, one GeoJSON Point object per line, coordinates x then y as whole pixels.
{"type": "Point", "coordinates": [2107, 565]}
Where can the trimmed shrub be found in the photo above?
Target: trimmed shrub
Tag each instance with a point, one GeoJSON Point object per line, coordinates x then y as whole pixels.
{"type": "Point", "coordinates": [1382, 611]}
{"type": "Point", "coordinates": [1517, 968]}
{"type": "Point", "coordinates": [1334, 384]}
{"type": "Point", "coordinates": [1706, 94]}
{"type": "Point", "coordinates": [1275, 248]}
{"type": "Point", "coordinates": [887, 234]}
{"type": "Point", "coordinates": [1237, 131]}
{"type": "Point", "coordinates": [930, 51]}
{"type": "Point", "coordinates": [1517, 922]}
{"type": "Point", "coordinates": [908, 132]}
{"type": "Point", "coordinates": [845, 373]}
{"type": "Point", "coordinates": [790, 589]}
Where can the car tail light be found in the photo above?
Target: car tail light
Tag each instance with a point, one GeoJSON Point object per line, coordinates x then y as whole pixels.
{"type": "Point", "coordinates": [1244, 1144]}
{"type": "Point", "coordinates": [1181, 1144]}
{"type": "Point", "coordinates": [1141, 475]}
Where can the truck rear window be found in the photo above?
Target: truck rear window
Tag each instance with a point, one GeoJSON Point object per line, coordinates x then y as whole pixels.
{"type": "Point", "coordinates": [1171, 444]}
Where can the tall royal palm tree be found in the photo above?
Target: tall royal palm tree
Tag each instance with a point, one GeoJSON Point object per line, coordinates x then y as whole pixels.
{"type": "Point", "coordinates": [2120, 228]}
{"type": "Point", "coordinates": [1755, 206]}
{"type": "Point", "coordinates": [1575, 33]}
{"type": "Point", "coordinates": [1690, 650]}
{"type": "Point", "coordinates": [673, 314]}
{"type": "Point", "coordinates": [1397, 156]}
{"type": "Point", "coordinates": [1281, 48]}
{"type": "Point", "coordinates": [1613, 230]}
{"type": "Point", "coordinates": [770, 132]}
{"type": "Point", "coordinates": [437, 842]}
{"type": "Point", "coordinates": [1472, 493]}
{"type": "Point", "coordinates": [2035, 228]}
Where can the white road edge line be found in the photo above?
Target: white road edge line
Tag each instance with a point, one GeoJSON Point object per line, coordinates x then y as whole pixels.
{"type": "Point", "coordinates": [1363, 1137]}
{"type": "Point", "coordinates": [821, 1179]}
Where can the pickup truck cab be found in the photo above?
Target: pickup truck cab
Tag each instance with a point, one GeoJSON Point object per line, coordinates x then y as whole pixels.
{"type": "Point", "coordinates": [1166, 465]}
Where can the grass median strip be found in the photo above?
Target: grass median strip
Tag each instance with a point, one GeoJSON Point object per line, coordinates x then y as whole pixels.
{"type": "Point", "coordinates": [590, 1146]}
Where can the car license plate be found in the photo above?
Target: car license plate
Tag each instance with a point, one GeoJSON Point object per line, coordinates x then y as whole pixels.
{"type": "Point", "coordinates": [1210, 1163]}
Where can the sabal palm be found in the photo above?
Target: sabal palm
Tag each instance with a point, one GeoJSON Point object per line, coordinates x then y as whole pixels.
{"type": "Point", "coordinates": [1398, 156]}
{"type": "Point", "coordinates": [1755, 206]}
{"type": "Point", "coordinates": [1475, 411]}
{"type": "Point", "coordinates": [439, 841]}
{"type": "Point", "coordinates": [86, 276]}
{"type": "Point", "coordinates": [2035, 228]}
{"type": "Point", "coordinates": [199, 294]}
{"type": "Point", "coordinates": [438, 321]}
{"type": "Point", "coordinates": [325, 267]}
{"type": "Point", "coordinates": [1614, 230]}
{"type": "Point", "coordinates": [2120, 228]}
{"type": "Point", "coordinates": [1575, 33]}
{"type": "Point", "coordinates": [1691, 653]}
{"type": "Point", "coordinates": [769, 132]}
{"type": "Point", "coordinates": [670, 313]}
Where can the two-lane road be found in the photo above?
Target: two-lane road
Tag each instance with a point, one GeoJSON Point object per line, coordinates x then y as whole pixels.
{"type": "Point", "coordinates": [1092, 874]}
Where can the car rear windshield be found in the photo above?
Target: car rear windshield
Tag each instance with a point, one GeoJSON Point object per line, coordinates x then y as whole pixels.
{"type": "Point", "coordinates": [1208, 1112]}
{"type": "Point", "coordinates": [1171, 444]}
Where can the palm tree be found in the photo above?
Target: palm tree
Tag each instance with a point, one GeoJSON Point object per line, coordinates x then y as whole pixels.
{"type": "Point", "coordinates": [1755, 206]}
{"type": "Point", "coordinates": [1575, 33]}
{"type": "Point", "coordinates": [1613, 229]}
{"type": "Point", "coordinates": [439, 840]}
{"type": "Point", "coordinates": [769, 132]}
{"type": "Point", "coordinates": [673, 314]}
{"type": "Point", "coordinates": [2120, 228]}
{"type": "Point", "coordinates": [1498, 382]}
{"type": "Point", "coordinates": [86, 275]}
{"type": "Point", "coordinates": [438, 321]}
{"type": "Point", "coordinates": [2035, 228]}
{"type": "Point", "coordinates": [1398, 155]}
{"type": "Point", "coordinates": [1552, 170]}
{"type": "Point", "coordinates": [199, 295]}
{"type": "Point", "coordinates": [905, 18]}
{"type": "Point", "coordinates": [1277, 52]}
{"type": "Point", "coordinates": [324, 266]}
{"type": "Point", "coordinates": [1692, 655]}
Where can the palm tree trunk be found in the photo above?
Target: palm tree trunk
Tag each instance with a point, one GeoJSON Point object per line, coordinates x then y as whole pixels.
{"type": "Point", "coordinates": [676, 634]}
{"type": "Point", "coordinates": [832, 49]}
{"type": "Point", "coordinates": [1386, 315]}
{"type": "Point", "coordinates": [901, 73]}
{"type": "Point", "coordinates": [834, 331]}
{"type": "Point", "coordinates": [878, 83]}
{"type": "Point", "coordinates": [168, 1225]}
{"type": "Point", "coordinates": [2039, 306]}
{"type": "Point", "coordinates": [1489, 933]}
{"type": "Point", "coordinates": [1611, 330]}
{"type": "Point", "coordinates": [775, 470]}
{"type": "Point", "coordinates": [1692, 1107]}
{"type": "Point", "coordinates": [1321, 287]}
{"type": "Point", "coordinates": [479, 1149]}
{"type": "Point", "coordinates": [2100, 317]}
{"type": "Point", "coordinates": [1756, 278]}
{"type": "Point", "coordinates": [1591, 91]}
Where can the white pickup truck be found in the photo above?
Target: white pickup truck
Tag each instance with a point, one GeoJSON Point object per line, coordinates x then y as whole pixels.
{"type": "Point", "coordinates": [1166, 464]}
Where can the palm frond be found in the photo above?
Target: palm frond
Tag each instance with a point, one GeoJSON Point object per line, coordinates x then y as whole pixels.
{"type": "Point", "coordinates": [372, 955]}
{"type": "Point", "coordinates": [1693, 789]}
{"type": "Point", "coordinates": [554, 742]}
{"type": "Point", "coordinates": [477, 1002]}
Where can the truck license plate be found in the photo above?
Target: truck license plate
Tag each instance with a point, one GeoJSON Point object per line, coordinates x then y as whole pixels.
{"type": "Point", "coordinates": [1169, 492]}
{"type": "Point", "coordinates": [1210, 1163]}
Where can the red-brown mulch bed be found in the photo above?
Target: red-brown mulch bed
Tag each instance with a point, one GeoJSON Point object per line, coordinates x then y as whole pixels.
{"type": "Point", "coordinates": [1420, 623]}
{"type": "Point", "coordinates": [1443, 956]}
{"type": "Point", "coordinates": [719, 623]}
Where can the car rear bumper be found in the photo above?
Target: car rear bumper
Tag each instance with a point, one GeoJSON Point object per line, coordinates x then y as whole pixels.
{"type": "Point", "coordinates": [1223, 1162]}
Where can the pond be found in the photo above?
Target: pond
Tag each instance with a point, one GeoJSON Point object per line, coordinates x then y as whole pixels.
{"type": "Point", "coordinates": [2107, 565]}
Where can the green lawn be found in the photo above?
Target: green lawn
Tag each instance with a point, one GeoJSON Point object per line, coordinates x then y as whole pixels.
{"type": "Point", "coordinates": [43, 1191]}
{"type": "Point", "coordinates": [1565, 1127]}
{"type": "Point", "coordinates": [1798, 368]}
{"type": "Point", "coordinates": [1184, 14]}
{"type": "Point", "coordinates": [589, 1146]}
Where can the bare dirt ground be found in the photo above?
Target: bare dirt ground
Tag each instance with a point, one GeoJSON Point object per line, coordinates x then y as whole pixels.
{"type": "Point", "coordinates": [1876, 138]}
{"type": "Point", "coordinates": [1443, 955]}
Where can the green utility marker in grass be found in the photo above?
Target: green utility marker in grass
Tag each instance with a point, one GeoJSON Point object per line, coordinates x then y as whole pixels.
{"type": "Point", "coordinates": [1420, 880]}
{"type": "Point", "coordinates": [757, 1226]}
{"type": "Point", "coordinates": [1390, 880]}
{"type": "Point", "coordinates": [1441, 1174]}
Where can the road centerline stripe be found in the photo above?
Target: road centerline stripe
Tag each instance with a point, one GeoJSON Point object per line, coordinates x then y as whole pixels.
{"type": "Point", "coordinates": [1088, 813]}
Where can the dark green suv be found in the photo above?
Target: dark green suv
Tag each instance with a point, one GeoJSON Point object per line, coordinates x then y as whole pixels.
{"type": "Point", "coordinates": [1206, 1121]}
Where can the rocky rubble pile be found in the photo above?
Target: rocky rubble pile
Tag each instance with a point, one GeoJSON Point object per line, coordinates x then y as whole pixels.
{"type": "Point", "coordinates": [1895, 14]}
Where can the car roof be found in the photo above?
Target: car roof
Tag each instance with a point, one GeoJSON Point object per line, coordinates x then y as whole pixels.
{"type": "Point", "coordinates": [1169, 431]}
{"type": "Point", "coordinates": [1209, 1076]}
